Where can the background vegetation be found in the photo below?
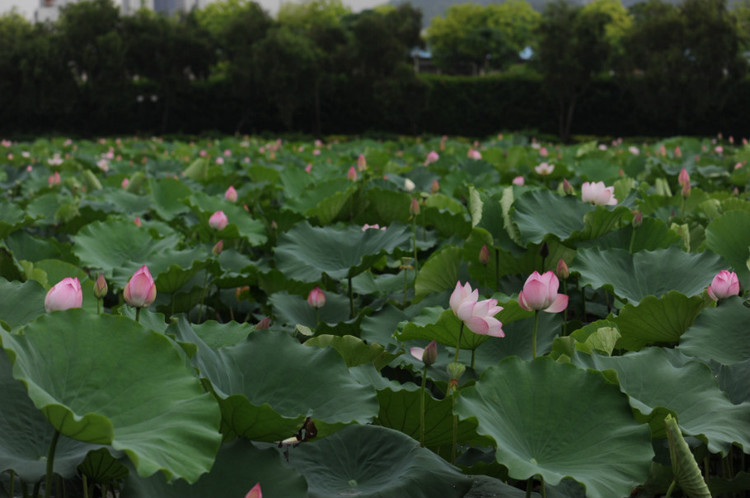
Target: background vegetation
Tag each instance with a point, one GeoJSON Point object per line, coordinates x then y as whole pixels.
{"type": "Point", "coordinates": [652, 69]}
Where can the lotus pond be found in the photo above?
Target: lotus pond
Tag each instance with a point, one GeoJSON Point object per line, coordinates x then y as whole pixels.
{"type": "Point", "coordinates": [296, 281]}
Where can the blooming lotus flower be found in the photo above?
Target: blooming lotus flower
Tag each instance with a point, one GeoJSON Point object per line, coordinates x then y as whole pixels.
{"type": "Point", "coordinates": [597, 193]}
{"type": "Point", "coordinates": [316, 298]}
{"type": "Point", "coordinates": [431, 157]}
{"type": "Point", "coordinates": [255, 492]}
{"type": "Point", "coordinates": [518, 181]}
{"type": "Point", "coordinates": [64, 295]}
{"type": "Point", "coordinates": [474, 154]}
{"type": "Point", "coordinates": [544, 168]}
{"type": "Point", "coordinates": [218, 220]}
{"type": "Point", "coordinates": [540, 293]}
{"type": "Point", "coordinates": [366, 227]}
{"type": "Point", "coordinates": [427, 355]}
{"type": "Point", "coordinates": [634, 150]}
{"type": "Point", "coordinates": [352, 174]}
{"type": "Point", "coordinates": [724, 284]}
{"type": "Point", "coordinates": [478, 316]}
{"type": "Point", "coordinates": [140, 291]}
{"type": "Point", "coordinates": [231, 194]}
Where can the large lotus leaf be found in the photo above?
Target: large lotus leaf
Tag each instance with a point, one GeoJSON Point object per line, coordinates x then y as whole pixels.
{"type": "Point", "coordinates": [11, 218]}
{"type": "Point", "coordinates": [105, 379]}
{"type": "Point", "coordinates": [293, 309]}
{"type": "Point", "coordinates": [387, 206]}
{"type": "Point", "coordinates": [217, 335]}
{"type": "Point", "coordinates": [445, 331]}
{"type": "Point", "coordinates": [270, 383]}
{"type": "Point", "coordinates": [439, 273]}
{"type": "Point", "coordinates": [326, 199]}
{"type": "Point", "coordinates": [729, 236]}
{"type": "Point", "coordinates": [25, 434]}
{"type": "Point", "coordinates": [651, 235]}
{"type": "Point", "coordinates": [375, 462]}
{"type": "Point", "coordinates": [167, 195]}
{"type": "Point", "coordinates": [247, 227]}
{"type": "Point", "coordinates": [31, 248]}
{"type": "Point", "coordinates": [733, 381]}
{"type": "Point", "coordinates": [400, 410]}
{"type": "Point", "coordinates": [306, 252]}
{"type": "Point", "coordinates": [720, 334]}
{"type": "Point", "coordinates": [21, 302]}
{"type": "Point", "coordinates": [446, 214]}
{"type": "Point", "coordinates": [238, 467]}
{"type": "Point", "coordinates": [686, 471]}
{"type": "Point", "coordinates": [647, 273]}
{"type": "Point", "coordinates": [656, 320]}
{"type": "Point", "coordinates": [658, 380]}
{"type": "Point", "coordinates": [600, 222]}
{"type": "Point", "coordinates": [534, 412]}
{"type": "Point", "coordinates": [487, 213]}
{"type": "Point", "coordinates": [354, 350]}
{"type": "Point", "coordinates": [542, 212]}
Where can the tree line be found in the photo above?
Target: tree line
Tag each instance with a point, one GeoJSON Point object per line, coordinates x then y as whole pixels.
{"type": "Point", "coordinates": [319, 68]}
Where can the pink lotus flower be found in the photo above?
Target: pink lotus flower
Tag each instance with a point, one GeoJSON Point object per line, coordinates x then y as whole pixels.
{"type": "Point", "coordinates": [140, 291]}
{"type": "Point", "coordinates": [543, 152]}
{"type": "Point", "coordinates": [597, 193]}
{"type": "Point", "coordinates": [137, 221]}
{"type": "Point", "coordinates": [352, 174]}
{"type": "Point", "coordinates": [435, 186]}
{"type": "Point", "coordinates": [54, 179]}
{"type": "Point", "coordinates": [255, 492]}
{"type": "Point", "coordinates": [308, 168]}
{"type": "Point", "coordinates": [361, 163]}
{"type": "Point", "coordinates": [218, 220]}
{"type": "Point", "coordinates": [724, 284]}
{"type": "Point", "coordinates": [427, 355]}
{"type": "Point", "coordinates": [431, 157]}
{"type": "Point", "coordinates": [474, 154]}
{"type": "Point", "coordinates": [634, 150]}
{"type": "Point", "coordinates": [64, 295]}
{"type": "Point", "coordinates": [562, 271]}
{"type": "Point", "coordinates": [677, 151]}
{"type": "Point", "coordinates": [478, 316]}
{"type": "Point", "coordinates": [125, 182]}
{"type": "Point", "coordinates": [518, 181]}
{"type": "Point", "coordinates": [316, 298]}
{"type": "Point", "coordinates": [683, 178]}
{"type": "Point", "coordinates": [231, 194]}
{"type": "Point", "coordinates": [544, 169]}
{"type": "Point", "coordinates": [540, 293]}
{"type": "Point", "coordinates": [366, 227]}
{"type": "Point", "coordinates": [316, 152]}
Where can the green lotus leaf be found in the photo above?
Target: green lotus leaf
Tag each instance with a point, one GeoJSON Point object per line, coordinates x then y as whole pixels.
{"type": "Point", "coordinates": [387, 206]}
{"type": "Point", "coordinates": [729, 236]}
{"type": "Point", "coordinates": [658, 380]}
{"type": "Point", "coordinates": [217, 335]}
{"type": "Point", "coordinates": [354, 350]}
{"type": "Point", "coordinates": [101, 467]}
{"type": "Point", "coordinates": [328, 197]}
{"type": "Point", "coordinates": [400, 410]}
{"type": "Point", "coordinates": [247, 227]}
{"type": "Point", "coordinates": [21, 302]}
{"type": "Point", "coordinates": [686, 470]}
{"type": "Point", "coordinates": [598, 170]}
{"type": "Point", "coordinates": [25, 434]}
{"type": "Point", "coordinates": [447, 215]}
{"type": "Point", "coordinates": [733, 381]}
{"type": "Point", "coordinates": [656, 320]}
{"type": "Point", "coordinates": [601, 335]}
{"type": "Point", "coordinates": [600, 222]}
{"type": "Point", "coordinates": [306, 252]}
{"type": "Point", "coordinates": [719, 334]}
{"type": "Point", "coordinates": [375, 462]}
{"type": "Point", "coordinates": [32, 248]}
{"type": "Point", "coordinates": [106, 380]}
{"type": "Point", "coordinates": [651, 235]}
{"type": "Point", "coordinates": [485, 486]}
{"type": "Point", "coordinates": [167, 195]}
{"type": "Point", "coordinates": [121, 201]}
{"type": "Point", "coordinates": [445, 331]}
{"type": "Point", "coordinates": [740, 483]}
{"type": "Point", "coordinates": [255, 404]}
{"type": "Point", "coordinates": [542, 212]}
{"type": "Point", "coordinates": [647, 273]}
{"type": "Point", "coordinates": [439, 273]}
{"type": "Point", "coordinates": [11, 218]}
{"type": "Point", "coordinates": [533, 411]}
{"type": "Point", "coordinates": [239, 466]}
{"type": "Point", "coordinates": [293, 309]}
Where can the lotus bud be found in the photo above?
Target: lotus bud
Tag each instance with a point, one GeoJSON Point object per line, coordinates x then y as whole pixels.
{"type": "Point", "coordinates": [125, 182]}
{"type": "Point", "coordinates": [637, 219]}
{"type": "Point", "coordinates": [352, 174]}
{"type": "Point", "coordinates": [435, 186]}
{"type": "Point", "coordinates": [725, 284]}
{"type": "Point", "coordinates": [428, 355]}
{"type": "Point", "coordinates": [414, 207]}
{"type": "Point", "coordinates": [683, 178]}
{"type": "Point", "coordinates": [255, 492]}
{"type": "Point", "coordinates": [316, 298]}
{"type": "Point", "coordinates": [361, 163]}
{"type": "Point", "coordinates": [137, 221]}
{"type": "Point", "coordinates": [544, 250]}
{"type": "Point", "coordinates": [567, 187]}
{"type": "Point", "coordinates": [218, 220]}
{"type": "Point", "coordinates": [140, 291]}
{"type": "Point", "coordinates": [217, 248]}
{"type": "Point", "coordinates": [431, 157]}
{"type": "Point", "coordinates": [100, 287]}
{"type": "Point", "coordinates": [231, 194]}
{"type": "Point", "coordinates": [562, 270]}
{"type": "Point", "coordinates": [456, 370]}
{"type": "Point", "coordinates": [519, 180]}
{"type": "Point", "coordinates": [54, 179]}
{"type": "Point", "coordinates": [677, 152]}
{"type": "Point", "coordinates": [65, 294]}
{"type": "Point", "coordinates": [484, 255]}
{"type": "Point", "coordinates": [264, 324]}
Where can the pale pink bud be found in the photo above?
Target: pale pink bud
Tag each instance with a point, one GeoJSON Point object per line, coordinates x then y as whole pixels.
{"type": "Point", "coordinates": [100, 287]}
{"type": "Point", "coordinates": [352, 174]}
{"type": "Point", "coordinates": [137, 221]}
{"type": "Point", "coordinates": [264, 324]}
{"type": "Point", "coordinates": [484, 255]}
{"type": "Point", "coordinates": [474, 154]}
{"type": "Point", "coordinates": [140, 291]}
{"type": "Point", "coordinates": [361, 163]}
{"type": "Point", "coordinates": [125, 182]}
{"type": "Point", "coordinates": [218, 220]}
{"type": "Point", "coordinates": [54, 179]}
{"type": "Point", "coordinates": [414, 207]}
{"type": "Point", "coordinates": [567, 187]}
{"type": "Point", "coordinates": [677, 151]}
{"type": "Point", "coordinates": [255, 492]}
{"type": "Point", "coordinates": [637, 219]}
{"type": "Point", "coordinates": [218, 247]}
{"type": "Point", "coordinates": [519, 180]}
{"type": "Point", "coordinates": [540, 293]}
{"type": "Point", "coordinates": [724, 284]}
{"type": "Point", "coordinates": [231, 194]}
{"type": "Point", "coordinates": [64, 295]}
{"type": "Point", "coordinates": [562, 271]}
{"type": "Point", "coordinates": [427, 355]}
{"type": "Point", "coordinates": [435, 186]}
{"type": "Point", "coordinates": [683, 178]}
{"type": "Point", "coordinates": [316, 298]}
{"type": "Point", "coordinates": [431, 157]}
{"type": "Point", "coordinates": [308, 168]}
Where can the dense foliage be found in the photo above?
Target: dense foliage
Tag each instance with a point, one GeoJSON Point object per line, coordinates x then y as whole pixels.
{"type": "Point", "coordinates": [655, 69]}
{"type": "Point", "coordinates": [404, 318]}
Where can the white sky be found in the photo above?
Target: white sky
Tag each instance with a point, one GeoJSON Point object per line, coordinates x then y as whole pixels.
{"type": "Point", "coordinates": [27, 7]}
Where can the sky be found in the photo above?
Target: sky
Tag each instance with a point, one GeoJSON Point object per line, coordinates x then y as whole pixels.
{"type": "Point", "coordinates": [27, 7]}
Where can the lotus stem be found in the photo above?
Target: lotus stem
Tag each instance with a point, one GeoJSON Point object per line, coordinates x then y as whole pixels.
{"type": "Point", "coordinates": [565, 311]}
{"type": "Point", "coordinates": [632, 241]}
{"type": "Point", "coordinates": [85, 486]}
{"type": "Point", "coordinates": [670, 489]}
{"type": "Point", "coordinates": [138, 315]}
{"type": "Point", "coordinates": [421, 407]}
{"type": "Point", "coordinates": [455, 430]}
{"type": "Point", "coordinates": [12, 482]}
{"type": "Point", "coordinates": [529, 486]}
{"type": "Point", "coordinates": [458, 344]}
{"type": "Point", "coordinates": [497, 268]}
{"type": "Point", "coordinates": [351, 298]}
{"type": "Point", "coordinates": [544, 488]}
{"type": "Point", "coordinates": [473, 354]}
{"type": "Point", "coordinates": [414, 240]}
{"type": "Point", "coordinates": [533, 340]}
{"type": "Point", "coordinates": [203, 297]}
{"type": "Point", "coordinates": [51, 463]}
{"type": "Point", "coordinates": [98, 312]}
